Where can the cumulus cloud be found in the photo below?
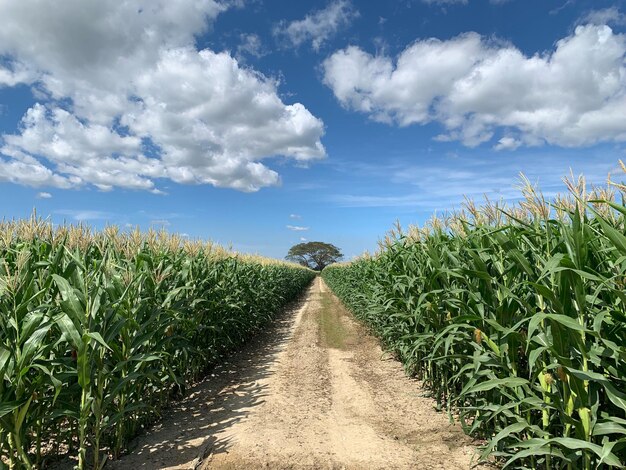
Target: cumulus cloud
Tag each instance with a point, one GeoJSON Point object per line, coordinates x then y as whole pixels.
{"type": "Point", "coordinates": [126, 99]}
{"type": "Point", "coordinates": [297, 228]}
{"type": "Point", "coordinates": [318, 26]}
{"type": "Point", "coordinates": [475, 87]}
{"type": "Point", "coordinates": [295, 216]}
{"type": "Point", "coordinates": [44, 195]}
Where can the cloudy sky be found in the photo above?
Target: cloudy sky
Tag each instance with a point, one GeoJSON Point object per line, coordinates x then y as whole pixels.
{"type": "Point", "coordinates": [261, 123]}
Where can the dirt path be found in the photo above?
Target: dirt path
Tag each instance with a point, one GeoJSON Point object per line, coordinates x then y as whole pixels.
{"type": "Point", "coordinates": [313, 392]}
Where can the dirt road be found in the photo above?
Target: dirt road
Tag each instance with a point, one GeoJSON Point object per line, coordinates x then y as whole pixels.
{"type": "Point", "coordinates": [313, 392]}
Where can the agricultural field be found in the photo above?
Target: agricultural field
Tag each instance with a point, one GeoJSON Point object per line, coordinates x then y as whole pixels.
{"type": "Point", "coordinates": [99, 332]}
{"type": "Point", "coordinates": [515, 319]}
{"type": "Point", "coordinates": [489, 336]}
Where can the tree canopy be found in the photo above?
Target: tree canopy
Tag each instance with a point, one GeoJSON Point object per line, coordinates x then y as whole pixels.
{"type": "Point", "coordinates": [314, 255]}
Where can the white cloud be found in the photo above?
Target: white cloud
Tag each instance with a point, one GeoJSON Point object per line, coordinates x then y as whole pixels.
{"type": "Point", "coordinates": [126, 99]}
{"type": "Point", "coordinates": [611, 15]}
{"type": "Point", "coordinates": [574, 95]}
{"type": "Point", "coordinates": [297, 228]}
{"type": "Point", "coordinates": [507, 143]}
{"type": "Point", "coordinates": [295, 216]}
{"type": "Point", "coordinates": [84, 151]}
{"type": "Point", "coordinates": [302, 239]}
{"type": "Point", "coordinates": [251, 45]}
{"type": "Point", "coordinates": [26, 170]}
{"type": "Point", "coordinates": [13, 73]}
{"type": "Point", "coordinates": [319, 26]}
{"type": "Point", "coordinates": [560, 8]}
{"type": "Point", "coordinates": [43, 195]}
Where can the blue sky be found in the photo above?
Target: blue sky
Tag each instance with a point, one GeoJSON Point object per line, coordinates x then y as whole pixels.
{"type": "Point", "coordinates": [260, 123]}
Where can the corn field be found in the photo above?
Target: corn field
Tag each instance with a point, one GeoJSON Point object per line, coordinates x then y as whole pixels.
{"type": "Point", "coordinates": [100, 331]}
{"type": "Point", "coordinates": [515, 319]}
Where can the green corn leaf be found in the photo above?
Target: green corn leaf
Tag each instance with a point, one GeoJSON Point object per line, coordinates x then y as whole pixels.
{"type": "Point", "coordinates": [511, 429]}
{"type": "Point", "coordinates": [536, 451]}
{"type": "Point", "coordinates": [98, 338]}
{"type": "Point", "coordinates": [578, 444]}
{"type": "Point", "coordinates": [68, 328]}
{"type": "Point", "coordinates": [608, 427]}
{"type": "Point", "coordinates": [510, 382]}
{"type": "Point", "coordinates": [617, 239]}
{"type": "Point", "coordinates": [71, 303]}
{"type": "Point", "coordinates": [7, 407]}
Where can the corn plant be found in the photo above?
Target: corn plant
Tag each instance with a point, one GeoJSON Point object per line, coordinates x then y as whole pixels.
{"type": "Point", "coordinates": [100, 331]}
{"type": "Point", "coordinates": [515, 318]}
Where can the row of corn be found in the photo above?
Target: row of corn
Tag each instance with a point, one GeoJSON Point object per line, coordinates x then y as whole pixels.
{"type": "Point", "coordinates": [515, 318]}
{"type": "Point", "coordinates": [100, 331]}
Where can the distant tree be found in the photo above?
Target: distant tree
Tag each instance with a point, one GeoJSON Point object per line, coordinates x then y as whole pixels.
{"type": "Point", "coordinates": [314, 255]}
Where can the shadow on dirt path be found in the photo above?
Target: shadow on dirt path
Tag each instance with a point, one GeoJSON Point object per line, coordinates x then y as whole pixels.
{"type": "Point", "coordinates": [226, 396]}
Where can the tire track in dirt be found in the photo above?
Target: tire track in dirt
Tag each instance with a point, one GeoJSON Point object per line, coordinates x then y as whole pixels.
{"type": "Point", "coordinates": [312, 392]}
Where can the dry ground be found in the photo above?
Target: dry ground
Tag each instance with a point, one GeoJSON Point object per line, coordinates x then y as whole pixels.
{"type": "Point", "coordinates": [314, 391]}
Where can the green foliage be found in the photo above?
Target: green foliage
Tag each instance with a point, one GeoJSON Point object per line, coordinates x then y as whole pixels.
{"type": "Point", "coordinates": [99, 333]}
{"type": "Point", "coordinates": [517, 324]}
{"type": "Point", "coordinates": [314, 255]}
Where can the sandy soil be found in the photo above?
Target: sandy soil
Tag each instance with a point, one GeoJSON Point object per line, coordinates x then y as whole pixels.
{"type": "Point", "coordinates": [314, 391]}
